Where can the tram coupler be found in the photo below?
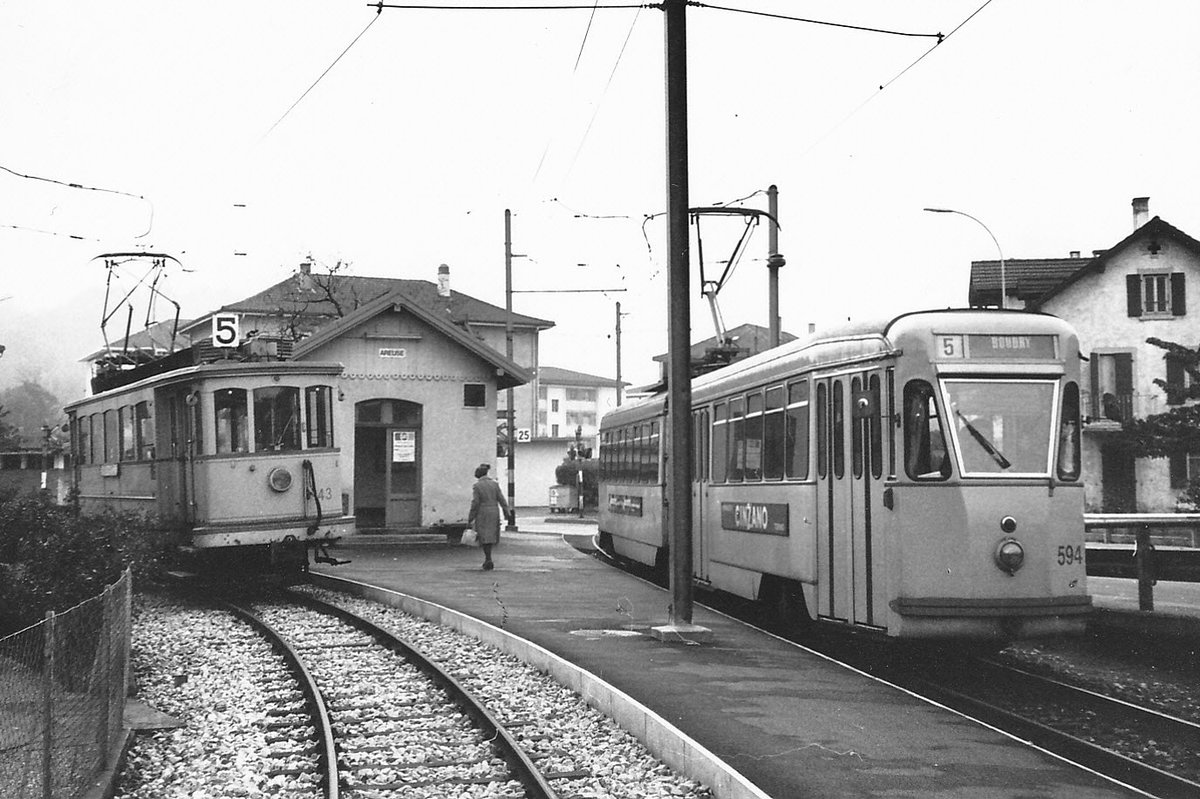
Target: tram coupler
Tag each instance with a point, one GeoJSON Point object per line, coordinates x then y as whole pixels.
{"type": "Point", "coordinates": [321, 555]}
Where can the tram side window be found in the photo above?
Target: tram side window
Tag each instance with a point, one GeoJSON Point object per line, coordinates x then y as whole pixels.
{"type": "Point", "coordinates": [128, 434]}
{"type": "Point", "coordinates": [737, 439]}
{"type": "Point", "coordinates": [1068, 434]}
{"type": "Point", "coordinates": [145, 431]}
{"type": "Point", "coordinates": [754, 437]}
{"type": "Point", "coordinates": [796, 438]}
{"type": "Point", "coordinates": [83, 438]}
{"type": "Point", "coordinates": [773, 435]}
{"type": "Point", "coordinates": [318, 402]}
{"type": "Point", "coordinates": [95, 453]}
{"type": "Point", "coordinates": [112, 437]}
{"type": "Point", "coordinates": [925, 454]}
{"type": "Point", "coordinates": [229, 408]}
{"type": "Point", "coordinates": [856, 431]}
{"type": "Point", "coordinates": [720, 443]}
{"type": "Point", "coordinates": [276, 419]}
{"type": "Point", "coordinates": [651, 473]}
{"type": "Point", "coordinates": [837, 412]}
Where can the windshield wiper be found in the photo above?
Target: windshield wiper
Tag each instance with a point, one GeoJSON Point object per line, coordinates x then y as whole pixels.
{"type": "Point", "coordinates": [981, 439]}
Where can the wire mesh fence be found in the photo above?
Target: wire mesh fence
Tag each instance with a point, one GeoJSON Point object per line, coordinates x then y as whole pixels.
{"type": "Point", "coordinates": [62, 695]}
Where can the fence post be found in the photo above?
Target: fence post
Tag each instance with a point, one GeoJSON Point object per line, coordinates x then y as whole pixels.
{"type": "Point", "coordinates": [1143, 555]}
{"type": "Point", "coordinates": [108, 609]}
{"type": "Point", "coordinates": [48, 707]}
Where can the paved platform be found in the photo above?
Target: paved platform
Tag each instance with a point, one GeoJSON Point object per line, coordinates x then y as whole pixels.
{"type": "Point", "coordinates": [793, 723]}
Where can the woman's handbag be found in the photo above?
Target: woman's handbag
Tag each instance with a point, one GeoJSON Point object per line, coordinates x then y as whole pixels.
{"type": "Point", "coordinates": [469, 538]}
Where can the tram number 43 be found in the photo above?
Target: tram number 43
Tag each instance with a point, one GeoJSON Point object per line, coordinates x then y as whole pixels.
{"type": "Point", "coordinates": [1069, 555]}
{"type": "Point", "coordinates": [322, 493]}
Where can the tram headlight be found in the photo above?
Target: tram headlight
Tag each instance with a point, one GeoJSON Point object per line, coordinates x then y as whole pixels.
{"type": "Point", "coordinates": [1010, 555]}
{"type": "Point", "coordinates": [279, 479]}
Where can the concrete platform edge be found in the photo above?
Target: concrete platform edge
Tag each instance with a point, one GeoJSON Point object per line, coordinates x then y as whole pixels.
{"type": "Point", "coordinates": [661, 738]}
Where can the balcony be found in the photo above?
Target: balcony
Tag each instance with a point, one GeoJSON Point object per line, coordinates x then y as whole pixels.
{"type": "Point", "coordinates": [1107, 411]}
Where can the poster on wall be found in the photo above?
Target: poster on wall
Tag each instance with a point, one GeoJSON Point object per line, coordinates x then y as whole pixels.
{"type": "Point", "coordinates": [404, 446]}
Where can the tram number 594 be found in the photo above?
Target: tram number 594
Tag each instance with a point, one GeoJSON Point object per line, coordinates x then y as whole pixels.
{"type": "Point", "coordinates": [1070, 555]}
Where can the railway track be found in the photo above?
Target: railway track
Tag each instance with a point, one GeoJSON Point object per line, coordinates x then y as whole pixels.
{"type": "Point", "coordinates": [383, 719]}
{"type": "Point", "coordinates": [1143, 747]}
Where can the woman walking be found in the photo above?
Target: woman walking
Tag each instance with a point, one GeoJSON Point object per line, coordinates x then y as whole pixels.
{"type": "Point", "coordinates": [486, 504]}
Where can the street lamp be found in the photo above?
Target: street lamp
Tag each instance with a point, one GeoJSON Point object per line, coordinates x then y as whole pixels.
{"type": "Point", "coordinates": [1003, 287]}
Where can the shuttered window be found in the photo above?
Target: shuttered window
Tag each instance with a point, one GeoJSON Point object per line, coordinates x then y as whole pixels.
{"type": "Point", "coordinates": [1156, 294]}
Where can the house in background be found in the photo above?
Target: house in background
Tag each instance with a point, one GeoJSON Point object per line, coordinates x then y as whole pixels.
{"type": "Point", "coordinates": [570, 405]}
{"type": "Point", "coordinates": [1117, 299]}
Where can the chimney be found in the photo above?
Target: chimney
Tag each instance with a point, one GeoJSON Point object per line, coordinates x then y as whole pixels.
{"type": "Point", "coordinates": [1074, 253]}
{"type": "Point", "coordinates": [443, 281]}
{"type": "Point", "coordinates": [1141, 211]}
{"type": "Point", "coordinates": [304, 276]}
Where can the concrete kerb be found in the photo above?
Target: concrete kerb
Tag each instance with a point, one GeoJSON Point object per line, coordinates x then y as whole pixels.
{"type": "Point", "coordinates": [661, 738]}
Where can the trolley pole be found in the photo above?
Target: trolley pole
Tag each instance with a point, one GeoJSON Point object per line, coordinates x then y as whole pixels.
{"type": "Point", "coordinates": [774, 262]}
{"type": "Point", "coordinates": [679, 402]}
{"type": "Point", "coordinates": [510, 420]}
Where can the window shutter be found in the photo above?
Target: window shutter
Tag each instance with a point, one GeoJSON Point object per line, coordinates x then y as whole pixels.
{"type": "Point", "coordinates": [1094, 410]}
{"type": "Point", "coordinates": [1179, 478]}
{"type": "Point", "coordinates": [1124, 372]}
{"type": "Point", "coordinates": [1133, 294]}
{"type": "Point", "coordinates": [1175, 380]}
{"type": "Point", "coordinates": [1178, 294]}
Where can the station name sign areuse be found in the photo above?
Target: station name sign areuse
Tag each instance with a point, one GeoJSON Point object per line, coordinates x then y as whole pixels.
{"type": "Point", "coordinates": [755, 517]}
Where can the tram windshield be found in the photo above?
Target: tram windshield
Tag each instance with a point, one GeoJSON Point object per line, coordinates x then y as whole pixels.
{"type": "Point", "coordinates": [1001, 426]}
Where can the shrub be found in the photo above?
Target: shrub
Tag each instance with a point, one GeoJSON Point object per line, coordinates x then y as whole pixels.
{"type": "Point", "coordinates": [51, 558]}
{"type": "Point", "coordinates": [567, 474]}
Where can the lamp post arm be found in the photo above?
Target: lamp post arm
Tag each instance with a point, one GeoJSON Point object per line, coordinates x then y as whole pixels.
{"type": "Point", "coordinates": [986, 229]}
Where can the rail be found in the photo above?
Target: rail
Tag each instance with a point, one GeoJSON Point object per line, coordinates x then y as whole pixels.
{"type": "Point", "coordinates": [1129, 547]}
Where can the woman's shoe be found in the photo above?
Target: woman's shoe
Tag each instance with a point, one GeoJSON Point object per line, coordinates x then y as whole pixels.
{"type": "Point", "coordinates": [488, 566]}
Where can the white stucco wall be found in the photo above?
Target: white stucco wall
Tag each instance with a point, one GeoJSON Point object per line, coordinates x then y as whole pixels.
{"type": "Point", "coordinates": [432, 373]}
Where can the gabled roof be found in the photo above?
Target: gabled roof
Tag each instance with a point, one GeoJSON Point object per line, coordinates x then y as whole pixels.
{"type": "Point", "coordinates": [349, 292]}
{"type": "Point", "coordinates": [554, 376]}
{"type": "Point", "coordinates": [509, 373]}
{"type": "Point", "coordinates": [1036, 280]}
{"type": "Point", "coordinates": [1156, 228]}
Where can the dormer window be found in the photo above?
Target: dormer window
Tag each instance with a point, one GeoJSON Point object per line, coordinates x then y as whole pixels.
{"type": "Point", "coordinates": [1155, 295]}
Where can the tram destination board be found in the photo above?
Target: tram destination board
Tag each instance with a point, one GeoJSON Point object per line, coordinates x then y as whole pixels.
{"type": "Point", "coordinates": [985, 346]}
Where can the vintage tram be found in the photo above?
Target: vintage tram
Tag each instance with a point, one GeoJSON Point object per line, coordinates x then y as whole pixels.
{"type": "Point", "coordinates": [235, 455]}
{"type": "Point", "coordinates": [917, 477]}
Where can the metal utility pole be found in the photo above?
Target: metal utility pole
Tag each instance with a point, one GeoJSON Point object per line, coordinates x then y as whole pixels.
{"type": "Point", "coordinates": [774, 262]}
{"type": "Point", "coordinates": [679, 381]}
{"type": "Point", "coordinates": [508, 350]}
{"type": "Point", "coordinates": [618, 334]}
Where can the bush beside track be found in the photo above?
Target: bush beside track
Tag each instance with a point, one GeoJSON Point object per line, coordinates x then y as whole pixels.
{"type": "Point", "coordinates": [52, 558]}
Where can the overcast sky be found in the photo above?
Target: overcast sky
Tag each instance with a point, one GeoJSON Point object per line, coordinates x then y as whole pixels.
{"type": "Point", "coordinates": [180, 121]}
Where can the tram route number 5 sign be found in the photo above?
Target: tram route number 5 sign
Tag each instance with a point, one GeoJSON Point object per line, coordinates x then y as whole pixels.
{"type": "Point", "coordinates": [225, 330]}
